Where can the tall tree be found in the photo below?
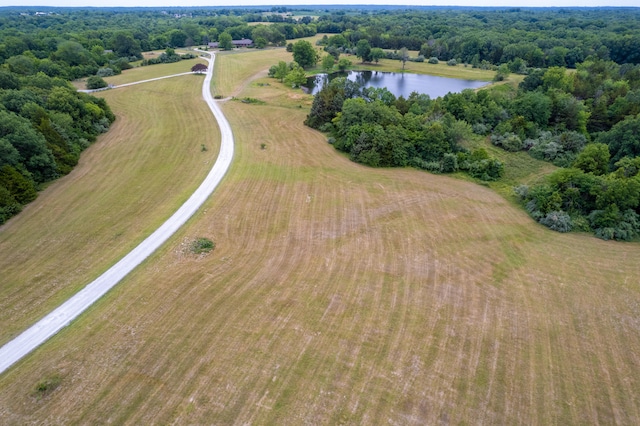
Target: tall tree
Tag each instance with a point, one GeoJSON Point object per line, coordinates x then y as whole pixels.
{"type": "Point", "coordinates": [304, 54]}
{"type": "Point", "coordinates": [225, 41]}
{"type": "Point", "coordinates": [404, 56]}
{"type": "Point", "coordinates": [363, 50]}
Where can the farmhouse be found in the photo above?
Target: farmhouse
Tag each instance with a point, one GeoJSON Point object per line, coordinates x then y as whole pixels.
{"type": "Point", "coordinates": [245, 42]}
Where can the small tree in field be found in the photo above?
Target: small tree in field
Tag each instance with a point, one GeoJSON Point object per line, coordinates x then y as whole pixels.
{"type": "Point", "coordinates": [225, 41]}
{"type": "Point", "coordinates": [304, 54]}
{"type": "Point", "coordinates": [343, 64]}
{"type": "Point", "coordinates": [327, 62]}
{"type": "Point", "coordinates": [95, 82]}
{"type": "Point", "coordinates": [377, 54]}
{"type": "Point", "coordinates": [199, 68]}
{"type": "Point", "coordinates": [363, 50]}
{"type": "Point", "coordinates": [295, 77]}
{"type": "Point", "coordinates": [404, 56]}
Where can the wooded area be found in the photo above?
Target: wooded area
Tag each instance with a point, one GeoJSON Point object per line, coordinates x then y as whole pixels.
{"type": "Point", "coordinates": [554, 114]}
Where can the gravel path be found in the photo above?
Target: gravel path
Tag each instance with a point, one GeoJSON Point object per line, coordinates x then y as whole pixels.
{"type": "Point", "coordinates": [37, 334]}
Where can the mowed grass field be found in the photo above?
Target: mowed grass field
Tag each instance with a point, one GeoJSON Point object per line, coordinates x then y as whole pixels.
{"type": "Point", "coordinates": [127, 183]}
{"type": "Point", "coordinates": [139, 73]}
{"type": "Point", "coordinates": [340, 294]}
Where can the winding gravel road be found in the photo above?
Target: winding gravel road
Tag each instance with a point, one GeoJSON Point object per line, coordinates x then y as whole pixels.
{"type": "Point", "coordinates": [37, 334]}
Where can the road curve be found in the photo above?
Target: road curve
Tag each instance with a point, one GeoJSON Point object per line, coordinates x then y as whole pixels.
{"type": "Point", "coordinates": [38, 333]}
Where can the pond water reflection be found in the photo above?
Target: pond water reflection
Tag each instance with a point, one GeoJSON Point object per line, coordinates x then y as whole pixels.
{"type": "Point", "coordinates": [398, 83]}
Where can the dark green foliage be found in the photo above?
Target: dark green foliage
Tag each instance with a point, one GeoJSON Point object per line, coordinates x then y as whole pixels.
{"type": "Point", "coordinates": [202, 245]}
{"type": "Point", "coordinates": [449, 163]}
{"type": "Point", "coordinates": [534, 107]}
{"type": "Point", "coordinates": [96, 82]}
{"type": "Point", "coordinates": [594, 159]}
{"type": "Point", "coordinates": [47, 385]}
{"type": "Point", "coordinates": [606, 205]}
{"type": "Point", "coordinates": [304, 54]}
{"type": "Point", "coordinates": [328, 101]}
{"type": "Point", "coordinates": [623, 139]}
{"type": "Point", "coordinates": [378, 130]}
{"type": "Point", "coordinates": [20, 188]}
{"type": "Point", "coordinates": [44, 125]}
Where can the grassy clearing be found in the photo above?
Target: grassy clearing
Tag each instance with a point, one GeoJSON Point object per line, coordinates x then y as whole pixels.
{"type": "Point", "coordinates": [153, 71]}
{"type": "Point", "coordinates": [126, 184]}
{"type": "Point", "coordinates": [440, 70]}
{"type": "Point", "coordinates": [145, 73]}
{"type": "Point", "coordinates": [343, 294]}
{"type": "Point", "coordinates": [233, 73]}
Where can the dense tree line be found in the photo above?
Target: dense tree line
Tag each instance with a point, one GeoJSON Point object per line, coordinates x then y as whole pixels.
{"type": "Point", "coordinates": [44, 125]}
{"type": "Point", "coordinates": [72, 43]}
{"type": "Point", "coordinates": [539, 37]}
{"type": "Point", "coordinates": [377, 129]}
{"type": "Point", "coordinates": [587, 122]}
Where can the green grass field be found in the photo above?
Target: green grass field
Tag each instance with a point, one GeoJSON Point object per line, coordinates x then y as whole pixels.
{"type": "Point", "coordinates": [126, 184]}
{"type": "Point", "coordinates": [337, 294]}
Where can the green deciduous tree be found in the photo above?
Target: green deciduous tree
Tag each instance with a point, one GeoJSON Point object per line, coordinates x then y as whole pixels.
{"type": "Point", "coordinates": [225, 41]}
{"type": "Point", "coordinates": [295, 77]}
{"type": "Point", "coordinates": [594, 158]}
{"type": "Point", "coordinates": [623, 139]}
{"type": "Point", "coordinates": [377, 54]}
{"type": "Point", "coordinates": [327, 63]}
{"type": "Point", "coordinates": [363, 50]}
{"type": "Point", "coordinates": [95, 82]}
{"type": "Point", "coordinates": [304, 54]}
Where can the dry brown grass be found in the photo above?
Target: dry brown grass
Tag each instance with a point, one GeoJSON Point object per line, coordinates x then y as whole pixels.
{"type": "Point", "coordinates": [343, 294]}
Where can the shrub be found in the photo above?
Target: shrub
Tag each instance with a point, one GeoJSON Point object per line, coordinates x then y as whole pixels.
{"type": "Point", "coordinates": [95, 82]}
{"type": "Point", "coordinates": [105, 72]}
{"type": "Point", "coordinates": [508, 141]}
{"type": "Point", "coordinates": [488, 169]}
{"type": "Point", "coordinates": [47, 385]}
{"type": "Point", "coordinates": [480, 129]}
{"type": "Point", "coordinates": [433, 60]}
{"type": "Point", "coordinates": [613, 224]}
{"type": "Point", "coordinates": [557, 221]}
{"type": "Point", "coordinates": [327, 128]}
{"type": "Point", "coordinates": [452, 62]}
{"type": "Point", "coordinates": [202, 245]}
{"type": "Point", "coordinates": [522, 191]}
{"type": "Point", "coordinates": [449, 163]}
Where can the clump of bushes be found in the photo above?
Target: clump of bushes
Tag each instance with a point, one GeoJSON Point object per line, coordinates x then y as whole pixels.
{"type": "Point", "coordinates": [507, 141]}
{"type": "Point", "coordinates": [202, 245]}
{"type": "Point", "coordinates": [47, 385]}
{"type": "Point", "coordinates": [95, 82]}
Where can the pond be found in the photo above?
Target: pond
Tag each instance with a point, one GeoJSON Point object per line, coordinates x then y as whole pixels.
{"type": "Point", "coordinates": [398, 83]}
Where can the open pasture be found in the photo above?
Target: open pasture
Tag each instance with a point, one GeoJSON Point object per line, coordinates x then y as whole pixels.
{"type": "Point", "coordinates": [126, 184]}
{"type": "Point", "coordinates": [340, 294]}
